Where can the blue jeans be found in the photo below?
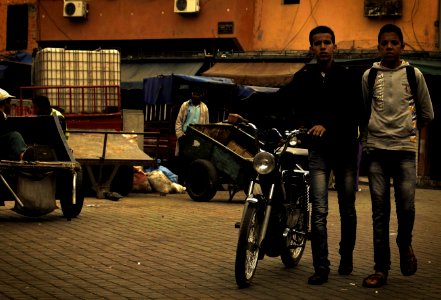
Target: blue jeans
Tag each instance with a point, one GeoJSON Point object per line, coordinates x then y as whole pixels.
{"type": "Point", "coordinates": [344, 166]}
{"type": "Point", "coordinates": [400, 166]}
{"type": "Point", "coordinates": [12, 145]}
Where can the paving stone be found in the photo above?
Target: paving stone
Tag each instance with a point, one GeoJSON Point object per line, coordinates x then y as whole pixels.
{"type": "Point", "coordinates": [147, 246]}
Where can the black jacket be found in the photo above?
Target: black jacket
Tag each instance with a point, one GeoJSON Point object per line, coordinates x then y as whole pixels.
{"type": "Point", "coordinates": [333, 101]}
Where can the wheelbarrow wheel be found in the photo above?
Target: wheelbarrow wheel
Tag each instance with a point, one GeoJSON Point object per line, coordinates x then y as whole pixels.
{"type": "Point", "coordinates": [69, 209]}
{"type": "Point", "coordinates": [201, 180]}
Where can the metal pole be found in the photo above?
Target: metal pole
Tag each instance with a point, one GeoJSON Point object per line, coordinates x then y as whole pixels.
{"type": "Point", "coordinates": [12, 192]}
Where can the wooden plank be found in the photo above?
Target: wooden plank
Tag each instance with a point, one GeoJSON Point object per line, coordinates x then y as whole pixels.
{"type": "Point", "coordinates": [43, 165]}
{"type": "Point", "coordinates": [89, 147]}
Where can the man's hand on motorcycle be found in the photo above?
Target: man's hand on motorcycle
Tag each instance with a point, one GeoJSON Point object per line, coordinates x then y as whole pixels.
{"type": "Point", "coordinates": [317, 130]}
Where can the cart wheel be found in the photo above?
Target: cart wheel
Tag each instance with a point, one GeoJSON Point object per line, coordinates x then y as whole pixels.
{"type": "Point", "coordinates": [122, 183]}
{"type": "Point", "coordinates": [69, 209]}
{"type": "Point", "coordinates": [202, 180]}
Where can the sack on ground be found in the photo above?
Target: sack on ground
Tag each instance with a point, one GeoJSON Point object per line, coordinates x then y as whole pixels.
{"type": "Point", "coordinates": [160, 182]}
{"type": "Point", "coordinates": [177, 188]}
{"type": "Point", "coordinates": [170, 175]}
{"type": "Point", "coordinates": [140, 180]}
{"type": "Point", "coordinates": [141, 183]}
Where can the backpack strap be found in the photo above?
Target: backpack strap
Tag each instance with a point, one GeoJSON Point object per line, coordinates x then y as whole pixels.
{"type": "Point", "coordinates": [411, 78]}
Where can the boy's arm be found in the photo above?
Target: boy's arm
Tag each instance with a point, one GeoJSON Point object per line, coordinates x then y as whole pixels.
{"type": "Point", "coordinates": [206, 114]}
{"type": "Point", "coordinates": [180, 120]}
{"type": "Point", "coordinates": [425, 103]}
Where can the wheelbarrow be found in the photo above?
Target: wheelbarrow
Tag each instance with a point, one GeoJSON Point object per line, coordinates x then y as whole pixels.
{"type": "Point", "coordinates": [53, 174]}
{"type": "Point", "coordinates": [217, 154]}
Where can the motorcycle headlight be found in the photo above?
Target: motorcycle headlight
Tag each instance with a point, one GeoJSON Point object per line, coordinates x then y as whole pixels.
{"type": "Point", "coordinates": [264, 163]}
{"type": "Point", "coordinates": [293, 141]}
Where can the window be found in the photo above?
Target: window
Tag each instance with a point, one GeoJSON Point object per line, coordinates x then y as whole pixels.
{"type": "Point", "coordinates": [383, 8]}
{"type": "Point", "coordinates": [17, 27]}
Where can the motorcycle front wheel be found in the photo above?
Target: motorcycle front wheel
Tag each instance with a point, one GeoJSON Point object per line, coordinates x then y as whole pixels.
{"type": "Point", "coordinates": [247, 252]}
{"type": "Point", "coordinates": [298, 223]}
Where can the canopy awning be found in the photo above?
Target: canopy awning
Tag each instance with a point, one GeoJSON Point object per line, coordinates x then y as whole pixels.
{"type": "Point", "coordinates": [162, 89]}
{"type": "Point", "coordinates": [427, 67]}
{"type": "Point", "coordinates": [270, 74]}
{"type": "Point", "coordinates": [133, 74]}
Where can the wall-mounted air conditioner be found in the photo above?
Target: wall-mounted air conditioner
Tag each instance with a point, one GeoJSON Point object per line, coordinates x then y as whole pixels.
{"type": "Point", "coordinates": [75, 9]}
{"type": "Point", "coordinates": [186, 6]}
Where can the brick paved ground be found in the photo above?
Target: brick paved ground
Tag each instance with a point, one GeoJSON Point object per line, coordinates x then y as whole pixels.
{"type": "Point", "coordinates": [148, 246]}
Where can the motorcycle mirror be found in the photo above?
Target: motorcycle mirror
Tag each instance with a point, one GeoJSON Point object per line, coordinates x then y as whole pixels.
{"type": "Point", "coordinates": [274, 135]}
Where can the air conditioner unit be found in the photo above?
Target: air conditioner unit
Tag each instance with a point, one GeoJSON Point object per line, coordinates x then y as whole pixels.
{"type": "Point", "coordinates": [186, 6]}
{"type": "Point", "coordinates": [75, 9]}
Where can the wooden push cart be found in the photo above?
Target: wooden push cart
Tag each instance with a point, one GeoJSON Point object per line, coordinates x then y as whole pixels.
{"type": "Point", "coordinates": [217, 154]}
{"type": "Point", "coordinates": [108, 158]}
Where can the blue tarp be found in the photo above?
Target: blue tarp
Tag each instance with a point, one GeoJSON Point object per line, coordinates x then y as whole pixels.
{"type": "Point", "coordinates": [133, 74]}
{"type": "Point", "coordinates": [247, 91]}
{"type": "Point", "coordinates": [18, 59]}
{"type": "Point", "coordinates": [160, 89]}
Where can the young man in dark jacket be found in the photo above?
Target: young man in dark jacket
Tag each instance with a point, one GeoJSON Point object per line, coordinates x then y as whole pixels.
{"type": "Point", "coordinates": [326, 100]}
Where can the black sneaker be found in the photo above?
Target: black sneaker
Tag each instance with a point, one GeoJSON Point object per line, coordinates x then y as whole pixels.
{"type": "Point", "coordinates": [320, 276]}
{"type": "Point", "coordinates": [114, 196]}
{"type": "Point", "coordinates": [408, 261]}
{"type": "Point", "coordinates": [345, 267]}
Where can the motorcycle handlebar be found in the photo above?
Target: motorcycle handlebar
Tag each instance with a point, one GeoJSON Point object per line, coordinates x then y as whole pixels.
{"type": "Point", "coordinates": [239, 120]}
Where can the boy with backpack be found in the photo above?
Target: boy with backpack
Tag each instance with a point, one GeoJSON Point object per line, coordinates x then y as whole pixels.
{"type": "Point", "coordinates": [397, 103]}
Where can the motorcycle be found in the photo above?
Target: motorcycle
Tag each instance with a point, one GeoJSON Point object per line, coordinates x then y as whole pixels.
{"type": "Point", "coordinates": [276, 215]}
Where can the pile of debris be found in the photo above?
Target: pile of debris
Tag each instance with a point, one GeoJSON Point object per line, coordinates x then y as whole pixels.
{"type": "Point", "coordinates": [159, 180]}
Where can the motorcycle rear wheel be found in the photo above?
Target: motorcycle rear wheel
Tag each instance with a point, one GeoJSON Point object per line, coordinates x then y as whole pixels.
{"type": "Point", "coordinates": [247, 252]}
{"type": "Point", "coordinates": [298, 222]}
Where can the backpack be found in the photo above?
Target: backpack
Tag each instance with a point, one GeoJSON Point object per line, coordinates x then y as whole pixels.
{"type": "Point", "coordinates": [411, 78]}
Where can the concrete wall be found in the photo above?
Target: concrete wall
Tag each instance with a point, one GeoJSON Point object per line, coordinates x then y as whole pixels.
{"type": "Point", "coordinates": [140, 19]}
{"type": "Point", "coordinates": [261, 25]}
{"type": "Point", "coordinates": [286, 27]}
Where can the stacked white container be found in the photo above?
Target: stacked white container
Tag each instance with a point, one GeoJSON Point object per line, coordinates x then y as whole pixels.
{"type": "Point", "coordinates": [79, 81]}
